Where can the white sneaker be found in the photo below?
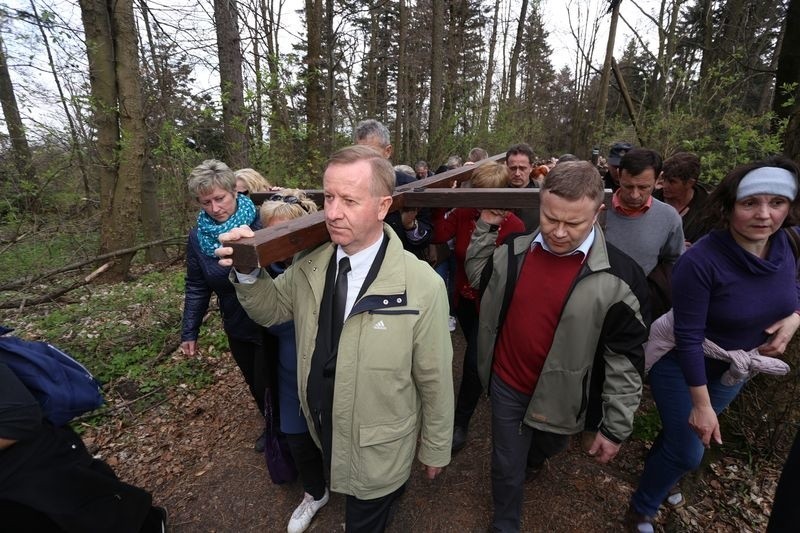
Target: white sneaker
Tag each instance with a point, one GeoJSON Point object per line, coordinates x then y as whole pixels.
{"type": "Point", "coordinates": [301, 517]}
{"type": "Point", "coordinates": [451, 323]}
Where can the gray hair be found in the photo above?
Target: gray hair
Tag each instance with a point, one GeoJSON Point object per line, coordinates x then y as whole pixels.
{"type": "Point", "coordinates": [453, 161]}
{"type": "Point", "coordinates": [372, 128]}
{"type": "Point", "coordinates": [405, 169]}
{"type": "Point", "coordinates": [210, 174]}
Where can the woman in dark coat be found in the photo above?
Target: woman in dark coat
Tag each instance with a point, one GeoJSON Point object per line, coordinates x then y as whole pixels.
{"type": "Point", "coordinates": [213, 185]}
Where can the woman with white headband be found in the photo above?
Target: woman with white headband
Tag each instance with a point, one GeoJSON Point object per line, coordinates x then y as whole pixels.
{"type": "Point", "coordinates": [737, 286]}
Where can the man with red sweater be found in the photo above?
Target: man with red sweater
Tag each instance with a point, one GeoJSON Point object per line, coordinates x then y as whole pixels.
{"type": "Point", "coordinates": [560, 305]}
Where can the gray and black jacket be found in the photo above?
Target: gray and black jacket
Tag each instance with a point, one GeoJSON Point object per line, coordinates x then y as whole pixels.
{"type": "Point", "coordinates": [596, 358]}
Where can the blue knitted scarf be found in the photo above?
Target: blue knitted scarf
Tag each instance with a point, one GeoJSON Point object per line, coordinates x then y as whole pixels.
{"type": "Point", "coordinates": [209, 230]}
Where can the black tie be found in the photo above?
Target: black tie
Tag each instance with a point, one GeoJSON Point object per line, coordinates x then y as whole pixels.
{"type": "Point", "coordinates": [339, 301]}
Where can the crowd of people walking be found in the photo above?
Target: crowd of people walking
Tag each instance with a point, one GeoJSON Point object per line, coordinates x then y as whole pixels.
{"type": "Point", "coordinates": [348, 343]}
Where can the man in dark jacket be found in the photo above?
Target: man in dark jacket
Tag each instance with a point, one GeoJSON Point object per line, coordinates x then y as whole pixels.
{"type": "Point", "coordinates": [682, 190]}
{"type": "Point", "coordinates": [615, 155]}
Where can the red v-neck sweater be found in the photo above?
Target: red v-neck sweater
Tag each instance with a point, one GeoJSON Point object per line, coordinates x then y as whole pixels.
{"type": "Point", "coordinates": [532, 318]}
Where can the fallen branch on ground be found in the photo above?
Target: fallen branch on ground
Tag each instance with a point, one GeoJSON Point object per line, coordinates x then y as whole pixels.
{"type": "Point", "coordinates": [28, 280]}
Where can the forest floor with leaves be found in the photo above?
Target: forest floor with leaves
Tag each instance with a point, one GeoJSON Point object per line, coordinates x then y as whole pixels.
{"type": "Point", "coordinates": [195, 453]}
{"type": "Point", "coordinates": [184, 429]}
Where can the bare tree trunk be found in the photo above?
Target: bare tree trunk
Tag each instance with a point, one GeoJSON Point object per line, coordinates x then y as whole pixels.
{"type": "Point", "coordinates": [602, 98]}
{"type": "Point", "coordinates": [259, 111]}
{"type": "Point", "coordinates": [623, 88]}
{"type": "Point", "coordinates": [371, 67]}
{"type": "Point", "coordinates": [330, 88]}
{"type": "Point", "coordinates": [768, 90]}
{"type": "Point", "coordinates": [151, 215]}
{"type": "Point", "coordinates": [132, 146]}
{"type": "Point", "coordinates": [437, 76]}
{"type": "Point", "coordinates": [707, 25]}
{"type": "Point", "coordinates": [788, 73]}
{"type": "Point", "coordinates": [151, 210]}
{"type": "Point", "coordinates": [515, 53]}
{"type": "Point", "coordinates": [234, 121]}
{"type": "Point", "coordinates": [313, 86]}
{"type": "Point", "coordinates": [112, 48]}
{"type": "Point", "coordinates": [19, 143]}
{"type": "Point", "coordinates": [278, 116]}
{"type": "Point", "coordinates": [486, 101]}
{"type": "Point", "coordinates": [401, 151]}
{"type": "Point", "coordinates": [102, 76]}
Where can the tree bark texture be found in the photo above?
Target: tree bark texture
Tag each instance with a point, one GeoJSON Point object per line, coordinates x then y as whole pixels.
{"type": "Point", "coordinates": [788, 74]}
{"type": "Point", "coordinates": [16, 131]}
{"type": "Point", "coordinates": [437, 77]}
{"type": "Point", "coordinates": [605, 78]}
{"type": "Point", "coordinates": [313, 77]}
{"type": "Point", "coordinates": [486, 100]}
{"type": "Point", "coordinates": [234, 119]}
{"type": "Point", "coordinates": [515, 53]}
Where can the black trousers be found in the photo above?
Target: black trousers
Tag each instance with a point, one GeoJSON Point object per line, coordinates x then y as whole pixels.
{"type": "Point", "coordinates": [785, 510]}
{"type": "Point", "coordinates": [251, 360]}
{"type": "Point", "coordinates": [51, 483]}
{"type": "Point", "coordinates": [308, 460]}
{"type": "Point", "coordinates": [515, 446]}
{"type": "Point", "coordinates": [369, 516]}
{"type": "Point", "coordinates": [469, 392]}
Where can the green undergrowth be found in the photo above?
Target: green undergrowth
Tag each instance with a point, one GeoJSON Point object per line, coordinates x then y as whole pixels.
{"type": "Point", "coordinates": [40, 249]}
{"type": "Point", "coordinates": [127, 334]}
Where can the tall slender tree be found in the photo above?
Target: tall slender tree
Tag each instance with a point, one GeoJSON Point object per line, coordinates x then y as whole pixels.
{"type": "Point", "coordinates": [234, 118]}
{"type": "Point", "coordinates": [787, 94]}
{"type": "Point", "coordinates": [16, 131]}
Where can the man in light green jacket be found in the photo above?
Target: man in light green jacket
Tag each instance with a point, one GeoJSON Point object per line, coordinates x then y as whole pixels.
{"type": "Point", "coordinates": [371, 388]}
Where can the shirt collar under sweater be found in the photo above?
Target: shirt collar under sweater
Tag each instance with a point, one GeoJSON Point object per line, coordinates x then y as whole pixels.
{"type": "Point", "coordinates": [616, 204]}
{"type": "Point", "coordinates": [584, 247]}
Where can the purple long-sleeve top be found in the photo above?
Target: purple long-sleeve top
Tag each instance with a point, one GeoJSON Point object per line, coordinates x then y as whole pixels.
{"type": "Point", "coordinates": [730, 296]}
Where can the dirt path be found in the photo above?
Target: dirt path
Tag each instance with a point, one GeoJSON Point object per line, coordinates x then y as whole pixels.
{"type": "Point", "coordinates": [195, 454]}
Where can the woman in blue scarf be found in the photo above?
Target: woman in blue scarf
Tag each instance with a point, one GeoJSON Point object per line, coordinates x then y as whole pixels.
{"type": "Point", "coordinates": [213, 185]}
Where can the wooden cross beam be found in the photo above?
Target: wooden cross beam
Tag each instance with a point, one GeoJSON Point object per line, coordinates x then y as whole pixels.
{"type": "Point", "coordinates": [284, 240]}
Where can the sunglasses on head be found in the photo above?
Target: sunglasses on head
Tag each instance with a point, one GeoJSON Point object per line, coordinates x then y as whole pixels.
{"type": "Point", "coordinates": [294, 200]}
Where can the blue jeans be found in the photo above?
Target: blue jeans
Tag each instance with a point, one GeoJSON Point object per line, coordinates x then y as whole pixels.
{"type": "Point", "coordinates": [677, 449]}
{"type": "Point", "coordinates": [447, 270]}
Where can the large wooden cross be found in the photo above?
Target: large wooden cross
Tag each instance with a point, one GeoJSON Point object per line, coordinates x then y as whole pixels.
{"type": "Point", "coordinates": [285, 240]}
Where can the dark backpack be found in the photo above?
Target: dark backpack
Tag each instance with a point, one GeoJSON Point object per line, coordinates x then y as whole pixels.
{"type": "Point", "coordinates": [62, 386]}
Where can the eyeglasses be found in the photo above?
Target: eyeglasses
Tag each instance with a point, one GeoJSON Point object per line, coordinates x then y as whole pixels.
{"type": "Point", "coordinates": [294, 200]}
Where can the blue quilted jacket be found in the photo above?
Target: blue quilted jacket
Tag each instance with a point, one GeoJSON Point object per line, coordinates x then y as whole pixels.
{"type": "Point", "coordinates": [204, 276]}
